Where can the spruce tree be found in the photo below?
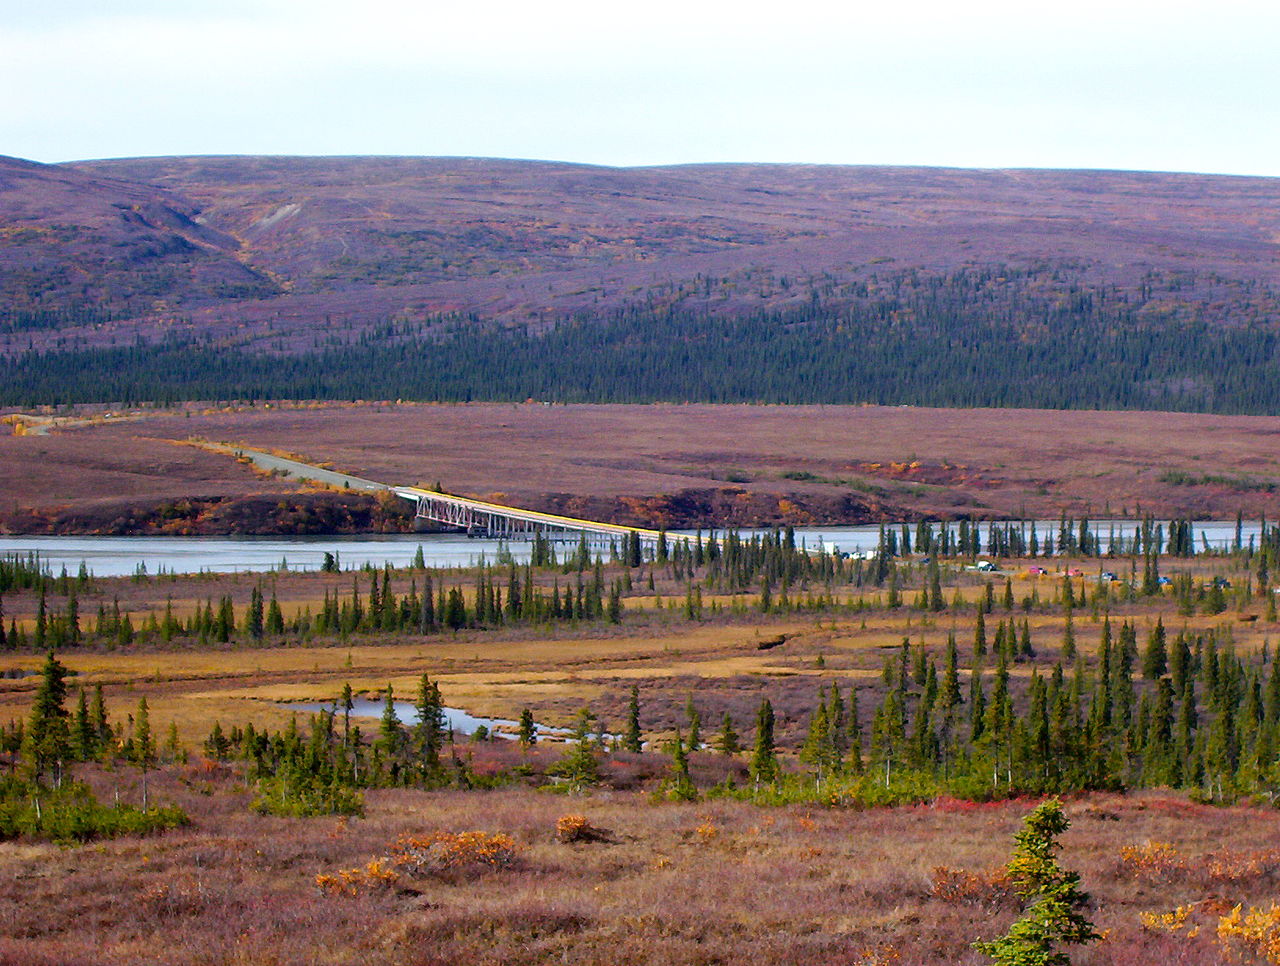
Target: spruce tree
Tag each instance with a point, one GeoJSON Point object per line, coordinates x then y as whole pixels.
{"type": "Point", "coordinates": [173, 745]}
{"type": "Point", "coordinates": [764, 761]}
{"type": "Point", "coordinates": [977, 703]}
{"type": "Point", "coordinates": [854, 740]}
{"type": "Point", "coordinates": [936, 601]}
{"type": "Point", "coordinates": [632, 739]}
{"type": "Point", "coordinates": [817, 745]}
{"type": "Point", "coordinates": [226, 620]}
{"type": "Point", "coordinates": [1158, 764]}
{"type": "Point", "coordinates": [83, 736]}
{"type": "Point", "coordinates": [728, 743]}
{"type": "Point", "coordinates": [999, 717]}
{"type": "Point", "coordinates": [1155, 658]}
{"type": "Point", "coordinates": [253, 619]}
{"type": "Point", "coordinates": [579, 766]}
{"type": "Point", "coordinates": [1180, 662]}
{"type": "Point", "coordinates": [1121, 687]}
{"type": "Point", "coordinates": [427, 612]}
{"type": "Point", "coordinates": [839, 728]}
{"type": "Point", "coordinates": [347, 703]}
{"type": "Point", "coordinates": [1221, 752]}
{"type": "Point", "coordinates": [695, 724]}
{"type": "Point", "coordinates": [1185, 737]}
{"type": "Point", "coordinates": [275, 619]}
{"type": "Point", "coordinates": [144, 745]}
{"type": "Point", "coordinates": [46, 743]}
{"type": "Point", "coordinates": [923, 750]}
{"type": "Point", "coordinates": [1038, 750]}
{"type": "Point", "coordinates": [390, 734]}
{"type": "Point", "coordinates": [98, 718]}
{"type": "Point", "coordinates": [1271, 696]}
{"type": "Point", "coordinates": [217, 744]}
{"type": "Point", "coordinates": [950, 693]}
{"type": "Point", "coordinates": [680, 786]}
{"type": "Point", "coordinates": [429, 729]}
{"type": "Point", "coordinates": [888, 732]}
{"type": "Point", "coordinates": [1054, 902]}
{"type": "Point", "coordinates": [42, 622]}
{"type": "Point", "coordinates": [895, 592]}
{"type": "Point", "coordinates": [527, 736]}
{"type": "Point", "coordinates": [73, 618]}
{"type": "Point", "coordinates": [614, 611]}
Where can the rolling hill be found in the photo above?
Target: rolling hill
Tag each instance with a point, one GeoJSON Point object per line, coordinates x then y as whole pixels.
{"type": "Point", "coordinates": [293, 258]}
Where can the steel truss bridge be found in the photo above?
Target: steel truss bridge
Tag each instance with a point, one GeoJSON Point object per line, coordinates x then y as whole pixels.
{"type": "Point", "coordinates": [511, 523]}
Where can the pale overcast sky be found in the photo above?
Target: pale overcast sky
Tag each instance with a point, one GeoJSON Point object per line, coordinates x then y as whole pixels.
{"type": "Point", "coordinates": [1168, 86]}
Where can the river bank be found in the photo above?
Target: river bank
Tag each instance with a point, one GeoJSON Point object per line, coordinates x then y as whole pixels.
{"type": "Point", "coordinates": [686, 466]}
{"type": "Point", "coordinates": [317, 512]}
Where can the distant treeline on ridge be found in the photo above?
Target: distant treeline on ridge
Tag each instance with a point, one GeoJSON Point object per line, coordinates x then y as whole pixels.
{"type": "Point", "coordinates": [960, 340]}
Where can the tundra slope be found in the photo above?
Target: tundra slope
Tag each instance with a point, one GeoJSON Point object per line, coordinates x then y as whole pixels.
{"type": "Point", "coordinates": [273, 250]}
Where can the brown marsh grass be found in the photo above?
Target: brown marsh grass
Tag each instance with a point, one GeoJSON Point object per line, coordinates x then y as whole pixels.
{"type": "Point", "coordinates": [709, 882]}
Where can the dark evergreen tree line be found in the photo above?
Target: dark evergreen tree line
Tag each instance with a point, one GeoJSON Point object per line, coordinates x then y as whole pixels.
{"type": "Point", "coordinates": [967, 339]}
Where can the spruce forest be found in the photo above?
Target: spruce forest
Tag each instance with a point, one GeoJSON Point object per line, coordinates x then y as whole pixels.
{"type": "Point", "coordinates": [998, 337]}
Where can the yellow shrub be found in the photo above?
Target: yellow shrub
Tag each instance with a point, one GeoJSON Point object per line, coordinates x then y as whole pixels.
{"type": "Point", "coordinates": [1253, 934]}
{"type": "Point", "coordinates": [1150, 856]}
{"type": "Point", "coordinates": [1173, 921]}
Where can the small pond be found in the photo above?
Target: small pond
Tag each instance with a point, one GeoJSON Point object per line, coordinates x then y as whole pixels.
{"type": "Point", "coordinates": [460, 721]}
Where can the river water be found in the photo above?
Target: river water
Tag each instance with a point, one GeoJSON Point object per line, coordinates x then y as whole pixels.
{"type": "Point", "coordinates": [456, 719]}
{"type": "Point", "coordinates": [122, 556]}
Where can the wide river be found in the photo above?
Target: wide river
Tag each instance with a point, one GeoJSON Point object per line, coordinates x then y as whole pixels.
{"type": "Point", "coordinates": [123, 556]}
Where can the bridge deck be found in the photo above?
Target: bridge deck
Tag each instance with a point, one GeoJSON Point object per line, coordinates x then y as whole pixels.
{"type": "Point", "coordinates": [457, 511]}
{"type": "Point", "coordinates": [506, 521]}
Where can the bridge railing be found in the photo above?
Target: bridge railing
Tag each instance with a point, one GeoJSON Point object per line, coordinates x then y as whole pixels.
{"type": "Point", "coordinates": [496, 520]}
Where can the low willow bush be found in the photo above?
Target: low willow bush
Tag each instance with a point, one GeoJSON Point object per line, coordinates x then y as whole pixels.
{"type": "Point", "coordinates": [72, 814]}
{"type": "Point", "coordinates": [296, 795]}
{"type": "Point", "coordinates": [867, 790]}
{"type": "Point", "coordinates": [860, 791]}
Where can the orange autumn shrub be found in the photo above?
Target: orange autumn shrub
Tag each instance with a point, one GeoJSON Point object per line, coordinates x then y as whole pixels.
{"type": "Point", "coordinates": [956, 886]}
{"type": "Point", "coordinates": [572, 828]}
{"type": "Point", "coordinates": [436, 854]}
{"type": "Point", "coordinates": [1160, 860]}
